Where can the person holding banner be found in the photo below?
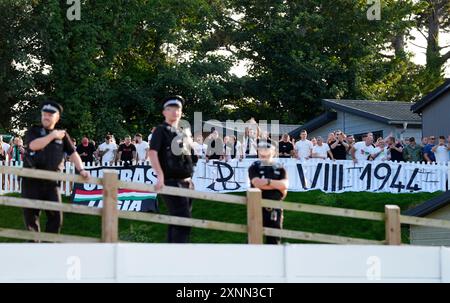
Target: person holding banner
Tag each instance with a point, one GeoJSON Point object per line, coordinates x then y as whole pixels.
{"type": "Point", "coordinates": [172, 159]}
{"type": "Point", "coordinates": [45, 147]}
{"type": "Point", "coordinates": [272, 179]}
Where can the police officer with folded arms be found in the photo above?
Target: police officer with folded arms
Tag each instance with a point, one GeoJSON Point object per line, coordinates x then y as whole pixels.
{"type": "Point", "coordinates": [272, 179]}
{"type": "Point", "coordinates": [173, 159]}
{"type": "Point", "coordinates": [45, 149]}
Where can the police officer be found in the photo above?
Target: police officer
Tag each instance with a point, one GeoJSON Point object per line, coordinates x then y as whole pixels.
{"type": "Point", "coordinates": [45, 148]}
{"type": "Point", "coordinates": [173, 160]}
{"type": "Point", "coordinates": [272, 179]}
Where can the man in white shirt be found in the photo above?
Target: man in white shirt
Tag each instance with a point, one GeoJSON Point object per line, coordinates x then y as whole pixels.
{"type": "Point", "coordinates": [364, 150]}
{"type": "Point", "coordinates": [5, 146]}
{"type": "Point", "coordinates": [321, 150]}
{"type": "Point", "coordinates": [199, 147]}
{"type": "Point", "coordinates": [303, 148]}
{"type": "Point", "coordinates": [142, 148]}
{"type": "Point", "coordinates": [383, 153]}
{"type": "Point", "coordinates": [441, 151]}
{"type": "Point", "coordinates": [107, 150]}
{"type": "Point", "coordinates": [249, 144]}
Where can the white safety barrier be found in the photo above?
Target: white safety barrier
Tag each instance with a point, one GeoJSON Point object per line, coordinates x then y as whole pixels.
{"type": "Point", "coordinates": [221, 263]}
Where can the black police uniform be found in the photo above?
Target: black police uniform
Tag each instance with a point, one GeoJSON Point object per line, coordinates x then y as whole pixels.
{"type": "Point", "coordinates": [177, 169]}
{"type": "Point", "coordinates": [51, 159]}
{"type": "Point", "coordinates": [272, 218]}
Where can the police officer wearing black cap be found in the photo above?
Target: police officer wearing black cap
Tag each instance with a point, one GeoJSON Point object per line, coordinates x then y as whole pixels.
{"type": "Point", "coordinates": [45, 147]}
{"type": "Point", "coordinates": [173, 161]}
{"type": "Point", "coordinates": [272, 179]}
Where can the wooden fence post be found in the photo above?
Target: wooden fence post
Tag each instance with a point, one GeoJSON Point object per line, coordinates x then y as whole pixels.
{"type": "Point", "coordinates": [110, 219]}
{"type": "Point", "coordinates": [393, 225]}
{"type": "Point", "coordinates": [254, 216]}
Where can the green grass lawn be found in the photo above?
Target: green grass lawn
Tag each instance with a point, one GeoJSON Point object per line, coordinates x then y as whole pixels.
{"type": "Point", "coordinates": [134, 231]}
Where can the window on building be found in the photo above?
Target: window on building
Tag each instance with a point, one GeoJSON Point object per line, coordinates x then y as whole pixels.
{"type": "Point", "coordinates": [376, 135]}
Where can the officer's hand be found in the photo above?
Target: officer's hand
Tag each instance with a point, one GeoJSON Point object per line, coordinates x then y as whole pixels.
{"type": "Point", "coordinates": [160, 183]}
{"type": "Point", "coordinates": [58, 134]}
{"type": "Point", "coordinates": [85, 174]}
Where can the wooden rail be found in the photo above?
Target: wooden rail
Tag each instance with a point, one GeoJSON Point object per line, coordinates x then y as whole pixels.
{"type": "Point", "coordinates": [253, 201]}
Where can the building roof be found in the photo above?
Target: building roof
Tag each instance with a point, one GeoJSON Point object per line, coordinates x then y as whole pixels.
{"type": "Point", "coordinates": [315, 123]}
{"type": "Point", "coordinates": [389, 112]}
{"type": "Point", "coordinates": [430, 206]}
{"type": "Point", "coordinates": [431, 97]}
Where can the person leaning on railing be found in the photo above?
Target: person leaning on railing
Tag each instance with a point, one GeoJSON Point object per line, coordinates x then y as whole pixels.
{"type": "Point", "coordinates": [272, 179]}
{"type": "Point", "coordinates": [45, 147]}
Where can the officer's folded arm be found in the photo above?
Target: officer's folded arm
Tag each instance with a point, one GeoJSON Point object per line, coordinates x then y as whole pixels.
{"type": "Point", "coordinates": [76, 160]}
{"type": "Point", "coordinates": [41, 143]}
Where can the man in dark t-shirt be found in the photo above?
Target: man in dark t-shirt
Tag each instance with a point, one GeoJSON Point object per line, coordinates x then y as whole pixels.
{"type": "Point", "coordinates": [396, 150]}
{"type": "Point", "coordinates": [127, 151]}
{"type": "Point", "coordinates": [285, 147]}
{"type": "Point", "coordinates": [271, 178]}
{"type": "Point", "coordinates": [86, 150]}
{"type": "Point", "coordinates": [339, 147]}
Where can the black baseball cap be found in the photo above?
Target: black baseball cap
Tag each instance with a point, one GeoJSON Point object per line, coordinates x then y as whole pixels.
{"type": "Point", "coordinates": [175, 100]}
{"type": "Point", "coordinates": [51, 107]}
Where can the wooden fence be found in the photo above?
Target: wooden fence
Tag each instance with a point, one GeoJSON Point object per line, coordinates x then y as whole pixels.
{"type": "Point", "coordinates": [253, 201]}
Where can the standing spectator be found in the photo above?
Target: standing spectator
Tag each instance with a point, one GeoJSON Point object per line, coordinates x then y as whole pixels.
{"type": "Point", "coordinates": [383, 153]}
{"type": "Point", "coordinates": [303, 148]}
{"type": "Point", "coordinates": [16, 152]}
{"type": "Point", "coordinates": [142, 148]}
{"type": "Point", "coordinates": [424, 141]}
{"type": "Point", "coordinates": [236, 148]}
{"type": "Point", "coordinates": [314, 141]}
{"type": "Point", "coordinates": [441, 151]}
{"type": "Point", "coordinates": [321, 150]}
{"type": "Point", "coordinates": [2, 154]}
{"type": "Point", "coordinates": [249, 144]}
{"type": "Point", "coordinates": [428, 154]}
{"type": "Point", "coordinates": [127, 151]}
{"type": "Point", "coordinates": [339, 146]}
{"type": "Point", "coordinates": [199, 147]}
{"type": "Point", "coordinates": [364, 150]}
{"type": "Point", "coordinates": [215, 145]}
{"type": "Point", "coordinates": [332, 137]}
{"type": "Point", "coordinates": [5, 147]}
{"type": "Point", "coordinates": [351, 141]}
{"type": "Point", "coordinates": [107, 151]}
{"type": "Point", "coordinates": [86, 150]}
{"type": "Point", "coordinates": [413, 152]}
{"type": "Point", "coordinates": [396, 150]}
{"type": "Point", "coordinates": [285, 148]}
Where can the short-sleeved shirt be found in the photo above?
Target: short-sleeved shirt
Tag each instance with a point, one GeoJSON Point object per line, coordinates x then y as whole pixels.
{"type": "Point", "coordinates": [363, 152]}
{"type": "Point", "coordinates": [108, 151]}
{"type": "Point", "coordinates": [396, 155]}
{"type": "Point", "coordinates": [162, 139]}
{"type": "Point", "coordinates": [127, 152]}
{"type": "Point", "coordinates": [86, 152]}
{"type": "Point", "coordinates": [321, 151]}
{"type": "Point", "coordinates": [304, 148]}
{"type": "Point", "coordinates": [273, 172]}
{"type": "Point", "coordinates": [339, 152]}
{"type": "Point", "coordinates": [141, 149]}
{"type": "Point", "coordinates": [285, 148]}
{"type": "Point", "coordinates": [427, 150]}
{"type": "Point", "coordinates": [50, 158]}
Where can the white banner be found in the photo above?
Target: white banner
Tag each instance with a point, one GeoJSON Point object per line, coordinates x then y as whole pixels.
{"type": "Point", "coordinates": [328, 176]}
